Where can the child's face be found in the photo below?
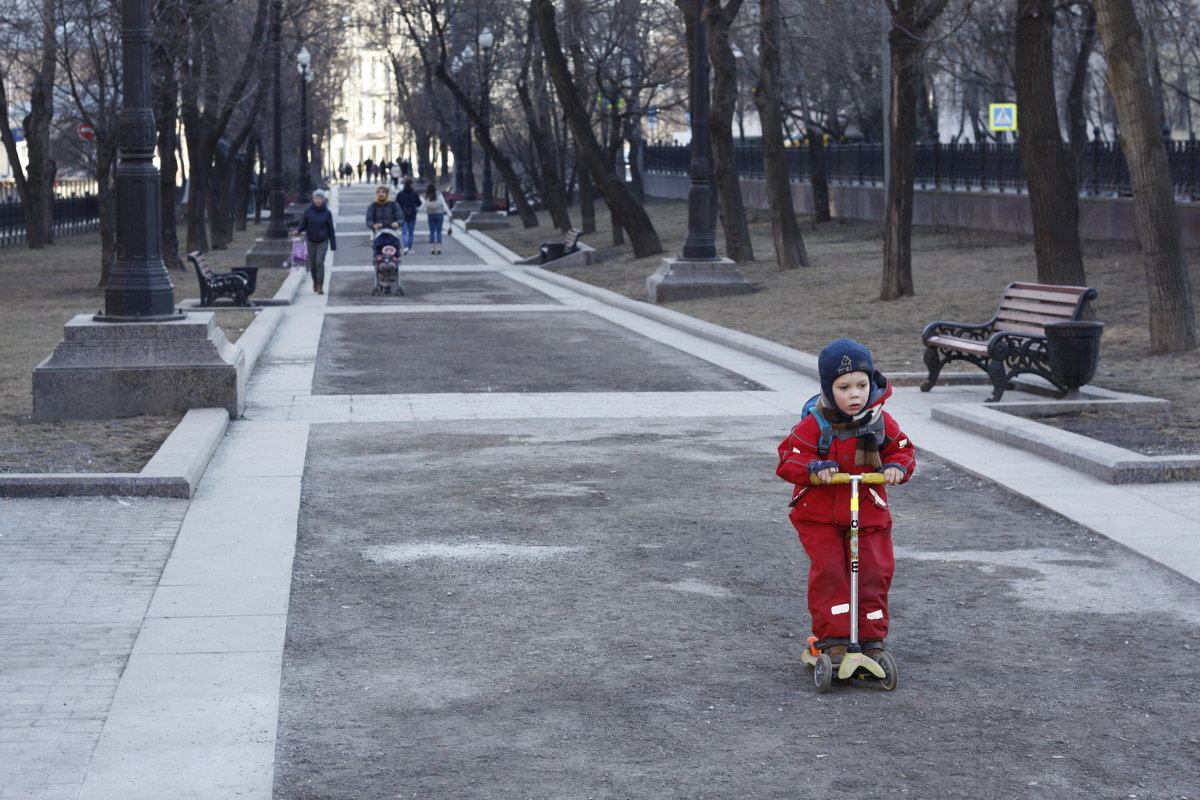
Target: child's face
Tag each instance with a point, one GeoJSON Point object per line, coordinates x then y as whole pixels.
{"type": "Point", "coordinates": [381, 194]}
{"type": "Point", "coordinates": [851, 392]}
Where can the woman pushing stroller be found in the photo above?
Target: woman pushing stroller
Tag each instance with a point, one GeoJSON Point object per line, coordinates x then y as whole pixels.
{"type": "Point", "coordinates": [384, 219]}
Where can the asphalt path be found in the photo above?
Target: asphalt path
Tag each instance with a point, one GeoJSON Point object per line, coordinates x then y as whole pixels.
{"type": "Point", "coordinates": [615, 608]}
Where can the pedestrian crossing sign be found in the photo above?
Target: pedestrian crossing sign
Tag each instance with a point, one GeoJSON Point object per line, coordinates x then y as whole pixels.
{"type": "Point", "coordinates": [1002, 116]}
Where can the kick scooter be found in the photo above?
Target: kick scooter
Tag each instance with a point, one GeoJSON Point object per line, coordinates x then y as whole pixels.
{"type": "Point", "coordinates": [855, 664]}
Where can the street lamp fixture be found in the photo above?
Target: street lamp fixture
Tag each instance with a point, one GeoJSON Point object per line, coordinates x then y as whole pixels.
{"type": "Point", "coordinates": [303, 59]}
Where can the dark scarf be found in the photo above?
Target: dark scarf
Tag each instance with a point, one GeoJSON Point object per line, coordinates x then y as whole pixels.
{"type": "Point", "coordinates": [868, 429]}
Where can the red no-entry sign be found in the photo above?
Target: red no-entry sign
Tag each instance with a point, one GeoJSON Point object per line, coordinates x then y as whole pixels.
{"type": "Point", "coordinates": [86, 131]}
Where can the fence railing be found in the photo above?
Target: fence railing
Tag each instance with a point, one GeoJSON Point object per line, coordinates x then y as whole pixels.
{"type": "Point", "coordinates": [76, 209]}
{"type": "Point", "coordinates": [966, 167]}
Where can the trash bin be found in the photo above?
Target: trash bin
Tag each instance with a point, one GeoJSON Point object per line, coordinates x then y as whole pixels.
{"type": "Point", "coordinates": [1073, 350]}
{"type": "Point", "coordinates": [251, 274]}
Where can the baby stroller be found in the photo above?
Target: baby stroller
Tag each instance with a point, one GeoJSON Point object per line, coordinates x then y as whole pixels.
{"type": "Point", "coordinates": [387, 263]}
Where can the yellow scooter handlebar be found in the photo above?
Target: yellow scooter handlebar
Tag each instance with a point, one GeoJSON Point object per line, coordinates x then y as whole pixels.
{"type": "Point", "coordinates": [844, 477]}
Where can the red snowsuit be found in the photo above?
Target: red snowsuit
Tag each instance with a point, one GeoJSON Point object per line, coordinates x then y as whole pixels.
{"type": "Point", "coordinates": [821, 515]}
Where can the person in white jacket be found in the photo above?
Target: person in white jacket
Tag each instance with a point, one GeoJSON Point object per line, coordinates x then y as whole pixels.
{"type": "Point", "coordinates": [435, 210]}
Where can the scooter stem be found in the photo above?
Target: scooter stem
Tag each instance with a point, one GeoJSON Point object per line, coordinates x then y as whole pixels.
{"type": "Point", "coordinates": [854, 647]}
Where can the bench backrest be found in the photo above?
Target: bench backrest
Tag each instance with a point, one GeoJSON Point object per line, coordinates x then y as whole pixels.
{"type": "Point", "coordinates": [1027, 307]}
{"type": "Point", "coordinates": [201, 263]}
{"type": "Point", "coordinates": [571, 238]}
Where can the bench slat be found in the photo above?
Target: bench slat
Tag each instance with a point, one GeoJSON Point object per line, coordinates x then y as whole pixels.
{"type": "Point", "coordinates": [1016, 327]}
{"type": "Point", "coordinates": [1041, 294]}
{"type": "Point", "coordinates": [1055, 310]}
{"type": "Point", "coordinates": [1005, 315]}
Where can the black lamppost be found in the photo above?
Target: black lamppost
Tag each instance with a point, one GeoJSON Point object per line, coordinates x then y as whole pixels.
{"type": "Point", "coordinates": [700, 243]}
{"type": "Point", "coordinates": [139, 288]}
{"type": "Point", "coordinates": [303, 59]}
{"type": "Point", "coordinates": [699, 272]}
{"type": "Point", "coordinates": [486, 40]}
{"type": "Point", "coordinates": [276, 228]}
{"type": "Point", "coordinates": [469, 193]}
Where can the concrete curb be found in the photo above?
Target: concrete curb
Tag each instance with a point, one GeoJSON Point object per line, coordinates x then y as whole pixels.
{"type": "Point", "coordinates": [175, 470]}
{"type": "Point", "coordinates": [1101, 460]}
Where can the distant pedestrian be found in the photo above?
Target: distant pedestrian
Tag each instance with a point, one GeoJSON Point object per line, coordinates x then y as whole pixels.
{"type": "Point", "coordinates": [409, 201]}
{"type": "Point", "coordinates": [435, 210]}
{"type": "Point", "coordinates": [360, 171]}
{"type": "Point", "coordinates": [396, 175]}
{"type": "Point", "coordinates": [370, 165]}
{"type": "Point", "coordinates": [317, 225]}
{"type": "Point", "coordinates": [846, 431]}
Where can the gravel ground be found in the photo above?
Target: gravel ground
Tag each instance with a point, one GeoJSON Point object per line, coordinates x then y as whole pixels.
{"type": "Point", "coordinates": [616, 610]}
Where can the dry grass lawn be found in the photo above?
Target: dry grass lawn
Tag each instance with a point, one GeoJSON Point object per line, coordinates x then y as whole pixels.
{"type": "Point", "coordinates": [43, 289]}
{"type": "Point", "coordinates": [958, 275]}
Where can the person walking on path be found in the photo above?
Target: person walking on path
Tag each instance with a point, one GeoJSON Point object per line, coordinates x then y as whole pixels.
{"type": "Point", "coordinates": [435, 210]}
{"type": "Point", "coordinates": [370, 165]}
{"type": "Point", "coordinates": [317, 226]}
{"type": "Point", "coordinates": [383, 212]}
{"type": "Point", "coordinates": [846, 431]}
{"type": "Point", "coordinates": [395, 170]}
{"type": "Point", "coordinates": [409, 201]}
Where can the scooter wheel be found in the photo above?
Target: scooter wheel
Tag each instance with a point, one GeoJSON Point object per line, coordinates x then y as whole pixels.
{"type": "Point", "coordinates": [891, 675]}
{"type": "Point", "coordinates": [823, 673]}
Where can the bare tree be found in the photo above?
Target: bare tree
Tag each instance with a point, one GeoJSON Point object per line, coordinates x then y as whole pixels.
{"type": "Point", "coordinates": [1053, 196]}
{"type": "Point", "coordinates": [1172, 319]}
{"type": "Point", "coordinates": [35, 182]}
{"type": "Point", "coordinates": [628, 212]}
{"type": "Point", "coordinates": [790, 252]}
{"type": "Point", "coordinates": [911, 22]}
{"type": "Point", "coordinates": [719, 19]}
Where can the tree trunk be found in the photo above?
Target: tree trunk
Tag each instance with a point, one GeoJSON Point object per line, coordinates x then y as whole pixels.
{"type": "Point", "coordinates": [632, 216]}
{"type": "Point", "coordinates": [106, 158]}
{"type": "Point", "coordinates": [1172, 319]}
{"type": "Point", "coordinates": [720, 128]}
{"type": "Point", "coordinates": [587, 201]}
{"type": "Point", "coordinates": [39, 211]}
{"type": "Point", "coordinates": [166, 121]}
{"type": "Point", "coordinates": [1053, 197]}
{"type": "Point", "coordinates": [1076, 118]}
{"type": "Point", "coordinates": [553, 191]}
{"type": "Point", "coordinates": [911, 20]}
{"type": "Point", "coordinates": [820, 175]}
{"type": "Point", "coordinates": [10, 146]}
{"type": "Point", "coordinates": [790, 252]}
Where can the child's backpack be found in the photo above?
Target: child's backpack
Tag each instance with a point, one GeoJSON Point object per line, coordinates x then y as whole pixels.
{"type": "Point", "coordinates": [826, 439]}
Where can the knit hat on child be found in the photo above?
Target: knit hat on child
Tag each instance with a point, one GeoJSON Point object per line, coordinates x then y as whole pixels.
{"type": "Point", "coordinates": [839, 357]}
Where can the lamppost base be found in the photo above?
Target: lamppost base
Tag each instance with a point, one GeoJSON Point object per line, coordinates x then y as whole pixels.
{"type": "Point", "coordinates": [106, 370]}
{"type": "Point", "coordinates": [686, 279]}
{"type": "Point", "coordinates": [487, 221]}
{"type": "Point", "coordinates": [267, 253]}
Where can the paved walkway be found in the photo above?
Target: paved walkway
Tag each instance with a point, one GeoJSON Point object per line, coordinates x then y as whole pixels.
{"type": "Point", "coordinates": [196, 711]}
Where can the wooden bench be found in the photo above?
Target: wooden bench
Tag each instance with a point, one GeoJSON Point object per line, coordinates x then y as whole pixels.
{"type": "Point", "coordinates": [555, 250]}
{"type": "Point", "coordinates": [1013, 341]}
{"type": "Point", "coordinates": [233, 285]}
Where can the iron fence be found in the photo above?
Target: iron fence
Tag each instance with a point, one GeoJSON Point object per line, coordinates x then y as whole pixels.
{"type": "Point", "coordinates": [75, 209]}
{"type": "Point", "coordinates": [962, 167]}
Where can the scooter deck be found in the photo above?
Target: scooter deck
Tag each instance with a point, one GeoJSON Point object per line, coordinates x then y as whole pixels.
{"type": "Point", "coordinates": [852, 663]}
